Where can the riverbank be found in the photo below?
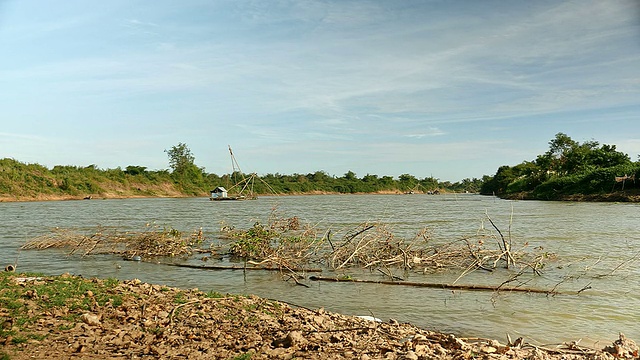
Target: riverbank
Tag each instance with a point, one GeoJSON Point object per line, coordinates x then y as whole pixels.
{"type": "Point", "coordinates": [107, 196]}
{"type": "Point", "coordinates": [49, 197]}
{"type": "Point", "coordinates": [632, 195]}
{"type": "Point", "coordinates": [69, 317]}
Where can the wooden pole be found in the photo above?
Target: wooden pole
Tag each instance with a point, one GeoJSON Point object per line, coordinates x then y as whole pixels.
{"type": "Point", "coordinates": [233, 267]}
{"type": "Point", "coordinates": [436, 285]}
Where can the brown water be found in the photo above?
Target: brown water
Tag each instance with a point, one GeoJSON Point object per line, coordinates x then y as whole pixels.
{"type": "Point", "coordinates": [590, 239]}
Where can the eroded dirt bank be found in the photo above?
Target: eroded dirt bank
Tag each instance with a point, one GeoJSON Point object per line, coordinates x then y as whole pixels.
{"type": "Point", "coordinates": [67, 317]}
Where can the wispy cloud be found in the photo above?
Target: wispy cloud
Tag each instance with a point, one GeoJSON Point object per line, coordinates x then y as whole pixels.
{"type": "Point", "coordinates": [358, 71]}
{"type": "Point", "coordinates": [430, 132]}
{"type": "Point", "coordinates": [138, 23]}
{"type": "Point", "coordinates": [315, 77]}
{"type": "Point", "coordinates": [14, 136]}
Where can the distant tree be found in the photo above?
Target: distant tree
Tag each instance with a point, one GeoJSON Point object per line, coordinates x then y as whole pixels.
{"type": "Point", "coordinates": [607, 156]}
{"type": "Point", "coordinates": [350, 175]}
{"type": "Point", "coordinates": [370, 178]}
{"type": "Point", "coordinates": [319, 177]}
{"type": "Point", "coordinates": [180, 158]}
{"type": "Point", "coordinates": [135, 170]}
{"type": "Point", "coordinates": [559, 149]}
{"type": "Point", "coordinates": [430, 183]}
{"type": "Point", "coordinates": [561, 144]}
{"type": "Point", "coordinates": [348, 183]}
{"type": "Point", "coordinates": [407, 182]}
{"type": "Point", "coordinates": [499, 182]}
{"type": "Point", "coordinates": [467, 184]}
{"type": "Point", "coordinates": [386, 182]}
{"type": "Point", "coordinates": [191, 178]}
{"type": "Point", "coordinates": [566, 156]}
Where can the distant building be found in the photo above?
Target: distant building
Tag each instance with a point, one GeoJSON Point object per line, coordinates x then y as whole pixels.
{"type": "Point", "coordinates": [219, 193]}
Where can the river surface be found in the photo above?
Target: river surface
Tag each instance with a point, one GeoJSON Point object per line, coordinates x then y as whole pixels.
{"type": "Point", "coordinates": [597, 247]}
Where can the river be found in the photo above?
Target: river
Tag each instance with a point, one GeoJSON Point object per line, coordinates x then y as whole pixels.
{"type": "Point", "coordinates": [597, 247]}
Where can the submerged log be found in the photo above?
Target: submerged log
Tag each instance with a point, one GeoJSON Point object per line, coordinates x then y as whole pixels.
{"type": "Point", "coordinates": [234, 267]}
{"type": "Point", "coordinates": [436, 285]}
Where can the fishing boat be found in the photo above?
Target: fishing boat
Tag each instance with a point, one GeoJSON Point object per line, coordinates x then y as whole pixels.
{"type": "Point", "coordinates": [242, 189]}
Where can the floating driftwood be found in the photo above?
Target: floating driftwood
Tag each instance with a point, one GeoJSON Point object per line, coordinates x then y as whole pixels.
{"type": "Point", "coordinates": [235, 267]}
{"type": "Point", "coordinates": [435, 285]}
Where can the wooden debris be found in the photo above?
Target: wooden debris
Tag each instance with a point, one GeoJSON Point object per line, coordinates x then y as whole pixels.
{"type": "Point", "coordinates": [435, 285]}
{"type": "Point", "coordinates": [234, 267]}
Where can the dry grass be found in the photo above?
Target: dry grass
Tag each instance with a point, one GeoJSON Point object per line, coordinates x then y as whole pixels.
{"type": "Point", "coordinates": [288, 244]}
{"type": "Point", "coordinates": [372, 245]}
{"type": "Point", "coordinates": [154, 241]}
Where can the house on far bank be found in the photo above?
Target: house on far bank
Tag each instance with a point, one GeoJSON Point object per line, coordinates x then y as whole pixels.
{"type": "Point", "coordinates": [219, 193]}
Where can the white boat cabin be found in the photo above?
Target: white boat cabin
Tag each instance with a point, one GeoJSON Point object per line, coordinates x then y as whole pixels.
{"type": "Point", "coordinates": [219, 193]}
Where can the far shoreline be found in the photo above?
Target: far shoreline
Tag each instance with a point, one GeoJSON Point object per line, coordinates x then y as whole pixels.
{"type": "Point", "coordinates": [632, 196]}
{"type": "Point", "coordinates": [51, 197]}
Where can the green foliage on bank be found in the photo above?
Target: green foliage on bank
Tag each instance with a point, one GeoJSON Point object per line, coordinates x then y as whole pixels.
{"type": "Point", "coordinates": [33, 181]}
{"type": "Point", "coordinates": [22, 181]}
{"type": "Point", "coordinates": [567, 168]}
{"type": "Point", "coordinates": [349, 183]}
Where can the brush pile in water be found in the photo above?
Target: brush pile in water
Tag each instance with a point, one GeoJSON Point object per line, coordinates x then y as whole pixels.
{"type": "Point", "coordinates": [152, 242]}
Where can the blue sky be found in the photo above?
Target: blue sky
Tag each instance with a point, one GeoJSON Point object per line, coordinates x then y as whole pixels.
{"type": "Point", "coordinates": [450, 89]}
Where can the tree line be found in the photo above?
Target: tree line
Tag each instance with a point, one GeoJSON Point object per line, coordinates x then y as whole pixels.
{"type": "Point", "coordinates": [567, 168]}
{"type": "Point", "coordinates": [184, 170]}
{"type": "Point", "coordinates": [20, 180]}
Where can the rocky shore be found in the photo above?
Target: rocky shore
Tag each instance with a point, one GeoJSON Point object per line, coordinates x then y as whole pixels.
{"type": "Point", "coordinates": [68, 317]}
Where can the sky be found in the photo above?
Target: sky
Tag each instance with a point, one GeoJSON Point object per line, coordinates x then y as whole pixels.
{"type": "Point", "coordinates": [448, 89]}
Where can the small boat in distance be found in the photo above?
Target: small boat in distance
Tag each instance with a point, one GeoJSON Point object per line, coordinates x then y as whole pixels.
{"type": "Point", "coordinates": [241, 190]}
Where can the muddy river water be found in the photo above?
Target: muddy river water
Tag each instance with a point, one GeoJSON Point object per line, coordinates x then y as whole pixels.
{"type": "Point", "coordinates": [597, 247]}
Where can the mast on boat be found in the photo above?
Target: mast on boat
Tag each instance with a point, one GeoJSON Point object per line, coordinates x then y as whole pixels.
{"type": "Point", "coordinates": [235, 167]}
{"type": "Point", "coordinates": [245, 184]}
